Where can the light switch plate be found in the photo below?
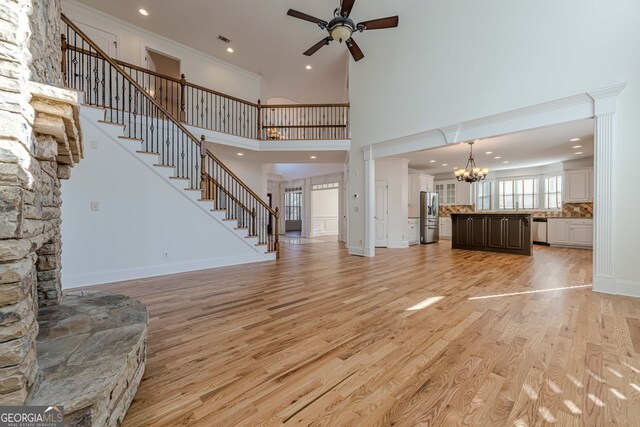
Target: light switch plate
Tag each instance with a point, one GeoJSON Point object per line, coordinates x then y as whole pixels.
{"type": "Point", "coordinates": [94, 145]}
{"type": "Point", "coordinates": [95, 206]}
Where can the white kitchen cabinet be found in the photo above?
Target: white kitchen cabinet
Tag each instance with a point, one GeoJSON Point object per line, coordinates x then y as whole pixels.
{"type": "Point", "coordinates": [414, 231]}
{"type": "Point", "coordinates": [426, 182]}
{"type": "Point", "coordinates": [578, 185]}
{"type": "Point", "coordinates": [452, 192]}
{"type": "Point", "coordinates": [581, 232]}
{"type": "Point", "coordinates": [445, 228]}
{"type": "Point", "coordinates": [416, 184]}
{"type": "Point", "coordinates": [558, 231]}
{"type": "Point", "coordinates": [571, 232]}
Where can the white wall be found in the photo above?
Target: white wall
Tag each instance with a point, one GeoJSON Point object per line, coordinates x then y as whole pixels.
{"type": "Point", "coordinates": [140, 217]}
{"type": "Point", "coordinates": [198, 67]}
{"type": "Point", "coordinates": [291, 171]}
{"type": "Point", "coordinates": [479, 58]}
{"type": "Point", "coordinates": [251, 173]}
{"type": "Point", "coordinates": [396, 173]}
{"type": "Point", "coordinates": [325, 212]}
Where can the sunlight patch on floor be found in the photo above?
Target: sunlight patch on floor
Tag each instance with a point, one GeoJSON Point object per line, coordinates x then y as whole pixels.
{"type": "Point", "coordinates": [530, 292]}
{"type": "Point", "coordinates": [572, 407]}
{"type": "Point", "coordinates": [425, 303]}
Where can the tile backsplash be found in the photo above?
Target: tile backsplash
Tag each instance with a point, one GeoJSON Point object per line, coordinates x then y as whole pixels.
{"type": "Point", "coordinates": [447, 210]}
{"type": "Point", "coordinates": [579, 210]}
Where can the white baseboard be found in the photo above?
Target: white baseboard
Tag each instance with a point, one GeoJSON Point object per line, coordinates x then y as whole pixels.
{"type": "Point", "coordinates": [356, 250]}
{"type": "Point", "coordinates": [604, 284]}
{"type": "Point", "coordinates": [118, 275]}
{"type": "Point", "coordinates": [628, 288]}
{"type": "Point", "coordinates": [398, 244]}
{"type": "Point", "coordinates": [610, 285]}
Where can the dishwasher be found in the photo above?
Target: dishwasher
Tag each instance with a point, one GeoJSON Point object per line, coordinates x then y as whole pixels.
{"type": "Point", "coordinates": [540, 231]}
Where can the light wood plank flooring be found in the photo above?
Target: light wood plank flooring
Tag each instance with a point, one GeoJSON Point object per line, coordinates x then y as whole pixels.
{"type": "Point", "coordinates": [419, 336]}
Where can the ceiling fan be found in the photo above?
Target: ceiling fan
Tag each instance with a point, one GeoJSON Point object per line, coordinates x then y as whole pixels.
{"type": "Point", "coordinates": [341, 28]}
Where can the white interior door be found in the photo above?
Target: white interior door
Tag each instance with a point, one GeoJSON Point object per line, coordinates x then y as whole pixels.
{"type": "Point", "coordinates": [381, 217]}
{"type": "Point", "coordinates": [105, 40]}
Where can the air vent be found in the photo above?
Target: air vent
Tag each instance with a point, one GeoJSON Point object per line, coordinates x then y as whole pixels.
{"type": "Point", "coordinates": [223, 39]}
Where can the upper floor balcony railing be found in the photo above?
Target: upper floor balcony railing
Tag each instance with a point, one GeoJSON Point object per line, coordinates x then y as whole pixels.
{"type": "Point", "coordinates": [205, 108]}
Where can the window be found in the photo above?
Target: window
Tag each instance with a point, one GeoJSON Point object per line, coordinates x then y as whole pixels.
{"type": "Point", "coordinates": [518, 194]}
{"type": "Point", "coordinates": [483, 195]}
{"type": "Point", "coordinates": [553, 192]}
{"type": "Point", "coordinates": [325, 186]}
{"type": "Point", "coordinates": [293, 204]}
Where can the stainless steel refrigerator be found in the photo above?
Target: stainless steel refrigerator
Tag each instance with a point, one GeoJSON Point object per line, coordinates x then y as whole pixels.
{"type": "Point", "coordinates": [429, 217]}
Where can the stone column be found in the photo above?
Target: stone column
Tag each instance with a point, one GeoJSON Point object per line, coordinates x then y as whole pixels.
{"type": "Point", "coordinates": [18, 300]}
{"type": "Point", "coordinates": [39, 141]}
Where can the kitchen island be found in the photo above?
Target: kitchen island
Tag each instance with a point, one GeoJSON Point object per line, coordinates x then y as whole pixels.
{"type": "Point", "coordinates": [492, 232]}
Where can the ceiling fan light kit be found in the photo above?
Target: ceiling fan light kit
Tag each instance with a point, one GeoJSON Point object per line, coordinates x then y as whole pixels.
{"type": "Point", "coordinates": [341, 28]}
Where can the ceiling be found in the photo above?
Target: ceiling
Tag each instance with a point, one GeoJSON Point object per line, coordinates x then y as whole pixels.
{"type": "Point", "coordinates": [265, 39]}
{"type": "Point", "coordinates": [536, 147]}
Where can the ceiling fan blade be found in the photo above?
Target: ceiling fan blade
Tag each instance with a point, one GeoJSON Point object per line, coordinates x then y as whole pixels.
{"type": "Point", "coordinates": [355, 50]}
{"type": "Point", "coordinates": [305, 17]}
{"type": "Point", "coordinates": [316, 47]}
{"type": "Point", "coordinates": [345, 7]}
{"type": "Point", "coordinates": [380, 24]}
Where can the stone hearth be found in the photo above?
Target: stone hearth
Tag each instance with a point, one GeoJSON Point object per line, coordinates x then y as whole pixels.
{"type": "Point", "coordinates": [91, 354]}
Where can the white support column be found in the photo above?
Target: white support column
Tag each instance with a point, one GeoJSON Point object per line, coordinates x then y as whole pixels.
{"type": "Point", "coordinates": [603, 208]}
{"type": "Point", "coordinates": [369, 203]}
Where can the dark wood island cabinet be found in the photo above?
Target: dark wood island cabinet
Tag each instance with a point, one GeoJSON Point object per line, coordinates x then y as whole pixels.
{"type": "Point", "coordinates": [506, 233]}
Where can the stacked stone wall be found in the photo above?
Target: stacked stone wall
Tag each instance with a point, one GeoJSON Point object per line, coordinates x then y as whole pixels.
{"type": "Point", "coordinates": [36, 132]}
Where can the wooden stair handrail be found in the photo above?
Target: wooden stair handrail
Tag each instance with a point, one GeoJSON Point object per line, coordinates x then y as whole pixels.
{"type": "Point", "coordinates": [156, 104]}
{"type": "Point", "coordinates": [234, 176]}
{"type": "Point", "coordinates": [228, 193]}
{"type": "Point", "coordinates": [196, 86]}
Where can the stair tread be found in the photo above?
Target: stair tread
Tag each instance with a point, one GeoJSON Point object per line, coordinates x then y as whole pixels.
{"type": "Point", "coordinates": [231, 219]}
{"type": "Point", "coordinates": [147, 152]}
{"type": "Point", "coordinates": [179, 177]}
{"type": "Point", "coordinates": [131, 139]}
{"type": "Point", "coordinates": [164, 166]}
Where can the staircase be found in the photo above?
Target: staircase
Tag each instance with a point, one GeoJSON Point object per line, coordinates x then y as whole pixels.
{"type": "Point", "coordinates": [127, 111]}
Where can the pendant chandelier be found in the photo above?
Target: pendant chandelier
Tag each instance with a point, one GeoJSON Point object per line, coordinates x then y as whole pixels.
{"type": "Point", "coordinates": [471, 173]}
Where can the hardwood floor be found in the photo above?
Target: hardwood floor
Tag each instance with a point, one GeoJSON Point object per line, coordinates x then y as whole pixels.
{"type": "Point", "coordinates": [419, 336]}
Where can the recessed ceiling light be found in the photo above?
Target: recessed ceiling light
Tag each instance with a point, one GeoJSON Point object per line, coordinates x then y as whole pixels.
{"type": "Point", "coordinates": [497, 157]}
{"type": "Point", "coordinates": [432, 161]}
{"type": "Point", "coordinates": [489, 152]}
{"type": "Point", "coordinates": [308, 67]}
{"type": "Point", "coordinates": [444, 164]}
{"type": "Point", "coordinates": [577, 146]}
{"type": "Point", "coordinates": [578, 152]}
{"type": "Point", "coordinates": [240, 154]}
{"type": "Point", "coordinates": [574, 139]}
{"type": "Point", "coordinates": [506, 161]}
{"type": "Point", "coordinates": [313, 157]}
{"type": "Point", "coordinates": [230, 49]}
{"type": "Point", "coordinates": [143, 12]}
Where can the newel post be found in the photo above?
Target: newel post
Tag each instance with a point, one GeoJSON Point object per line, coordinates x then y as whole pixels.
{"type": "Point", "coordinates": [203, 170]}
{"type": "Point", "coordinates": [64, 46]}
{"type": "Point", "coordinates": [277, 234]}
{"type": "Point", "coordinates": [183, 83]}
{"type": "Point", "coordinates": [259, 119]}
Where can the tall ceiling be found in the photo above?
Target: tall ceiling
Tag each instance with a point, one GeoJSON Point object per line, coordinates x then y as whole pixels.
{"type": "Point", "coordinates": [266, 41]}
{"type": "Point", "coordinates": [535, 147]}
